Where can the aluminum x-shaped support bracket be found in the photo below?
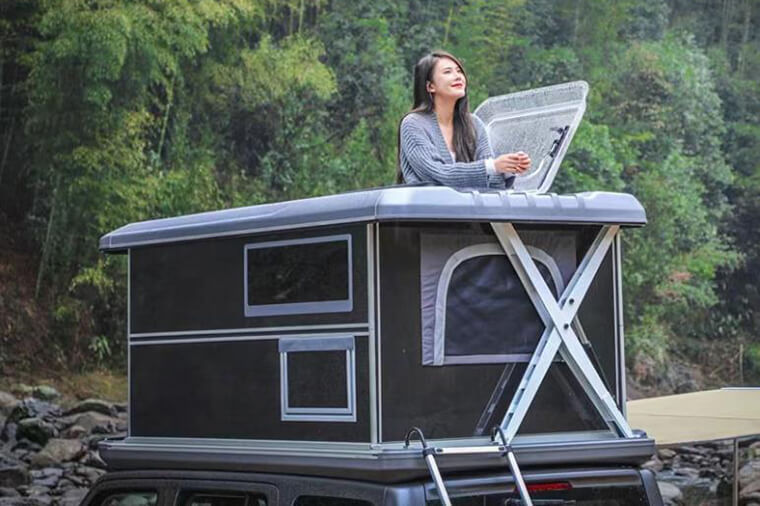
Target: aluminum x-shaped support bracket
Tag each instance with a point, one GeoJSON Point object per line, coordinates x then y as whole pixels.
{"type": "Point", "coordinates": [559, 336]}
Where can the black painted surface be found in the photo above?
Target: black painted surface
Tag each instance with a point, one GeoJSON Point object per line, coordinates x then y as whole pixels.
{"type": "Point", "coordinates": [449, 401]}
{"type": "Point", "coordinates": [199, 285]}
{"type": "Point", "coordinates": [597, 316]}
{"type": "Point", "coordinates": [228, 390]}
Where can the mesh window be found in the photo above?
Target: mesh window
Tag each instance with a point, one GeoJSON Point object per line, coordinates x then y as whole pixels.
{"type": "Point", "coordinates": [317, 379]}
{"type": "Point", "coordinates": [299, 273]}
{"type": "Point", "coordinates": [488, 310]}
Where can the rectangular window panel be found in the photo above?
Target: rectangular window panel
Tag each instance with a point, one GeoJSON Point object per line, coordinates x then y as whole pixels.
{"type": "Point", "coordinates": [318, 379]}
{"type": "Point", "coordinates": [311, 275]}
{"type": "Point", "coordinates": [221, 499]}
{"type": "Point", "coordinates": [132, 498]}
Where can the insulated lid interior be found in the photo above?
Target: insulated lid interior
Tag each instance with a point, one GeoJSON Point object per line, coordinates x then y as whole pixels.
{"type": "Point", "coordinates": [540, 122]}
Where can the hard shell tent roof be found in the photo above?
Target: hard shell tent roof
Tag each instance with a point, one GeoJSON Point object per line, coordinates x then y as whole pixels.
{"type": "Point", "coordinates": [401, 203]}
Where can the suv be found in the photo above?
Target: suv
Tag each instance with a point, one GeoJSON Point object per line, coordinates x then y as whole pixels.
{"type": "Point", "coordinates": [580, 487]}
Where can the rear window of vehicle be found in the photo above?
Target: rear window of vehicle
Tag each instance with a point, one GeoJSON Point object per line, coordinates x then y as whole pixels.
{"type": "Point", "coordinates": [315, 500]}
{"type": "Point", "coordinates": [584, 496]}
{"type": "Point", "coordinates": [221, 499]}
{"type": "Point", "coordinates": [134, 498]}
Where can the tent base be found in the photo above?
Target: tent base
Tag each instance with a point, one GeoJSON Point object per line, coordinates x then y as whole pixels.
{"type": "Point", "coordinates": [377, 463]}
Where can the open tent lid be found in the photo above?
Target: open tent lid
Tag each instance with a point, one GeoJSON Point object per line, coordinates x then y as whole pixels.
{"type": "Point", "coordinates": [540, 122]}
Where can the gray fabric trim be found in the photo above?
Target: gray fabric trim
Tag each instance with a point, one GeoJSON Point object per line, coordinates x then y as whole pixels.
{"type": "Point", "coordinates": [439, 338]}
{"type": "Point", "coordinates": [332, 343]}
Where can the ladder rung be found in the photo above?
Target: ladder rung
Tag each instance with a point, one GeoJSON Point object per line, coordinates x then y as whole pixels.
{"type": "Point", "coordinates": [464, 450]}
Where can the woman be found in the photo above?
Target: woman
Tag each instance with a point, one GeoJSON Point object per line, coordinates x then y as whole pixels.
{"type": "Point", "coordinates": [440, 142]}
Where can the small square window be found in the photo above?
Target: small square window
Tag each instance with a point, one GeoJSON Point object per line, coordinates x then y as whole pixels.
{"type": "Point", "coordinates": [318, 379]}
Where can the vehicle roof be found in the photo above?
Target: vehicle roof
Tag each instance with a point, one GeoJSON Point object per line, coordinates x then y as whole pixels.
{"type": "Point", "coordinates": [396, 203]}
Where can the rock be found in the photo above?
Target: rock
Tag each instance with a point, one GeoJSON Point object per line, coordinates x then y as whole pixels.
{"type": "Point", "coordinates": [36, 429]}
{"type": "Point", "coordinates": [654, 465]}
{"type": "Point", "coordinates": [691, 450]}
{"type": "Point", "coordinates": [7, 403]}
{"type": "Point", "coordinates": [45, 393]}
{"type": "Point", "coordinates": [13, 476]}
{"type": "Point", "coordinates": [8, 433]}
{"type": "Point", "coordinates": [47, 477]}
{"type": "Point", "coordinates": [121, 407]}
{"type": "Point", "coordinates": [9, 492]}
{"type": "Point", "coordinates": [665, 453]}
{"type": "Point", "coordinates": [749, 473]}
{"type": "Point", "coordinates": [90, 473]}
{"type": "Point", "coordinates": [37, 490]}
{"type": "Point", "coordinates": [689, 472]}
{"type": "Point", "coordinates": [670, 493]}
{"type": "Point", "coordinates": [93, 460]}
{"type": "Point", "coordinates": [33, 408]}
{"type": "Point", "coordinates": [753, 487]}
{"type": "Point", "coordinates": [94, 405]}
{"type": "Point", "coordinates": [75, 432]}
{"type": "Point", "coordinates": [92, 422]}
{"type": "Point", "coordinates": [58, 450]}
{"type": "Point", "coordinates": [24, 501]}
{"type": "Point", "coordinates": [72, 497]}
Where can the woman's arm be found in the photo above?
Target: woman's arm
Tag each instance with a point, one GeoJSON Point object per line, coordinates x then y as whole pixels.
{"type": "Point", "coordinates": [422, 158]}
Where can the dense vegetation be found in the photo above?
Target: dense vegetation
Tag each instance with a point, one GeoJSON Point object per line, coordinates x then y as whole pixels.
{"type": "Point", "coordinates": [113, 111]}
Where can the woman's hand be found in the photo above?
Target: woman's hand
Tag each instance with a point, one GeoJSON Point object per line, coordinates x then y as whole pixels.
{"type": "Point", "coordinates": [512, 163]}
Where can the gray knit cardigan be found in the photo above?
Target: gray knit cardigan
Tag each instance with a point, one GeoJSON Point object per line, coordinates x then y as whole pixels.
{"type": "Point", "coordinates": [425, 158]}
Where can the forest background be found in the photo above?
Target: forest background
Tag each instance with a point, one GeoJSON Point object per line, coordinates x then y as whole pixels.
{"type": "Point", "coordinates": [113, 111]}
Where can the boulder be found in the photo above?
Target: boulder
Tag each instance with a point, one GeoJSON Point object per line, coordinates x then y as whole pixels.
{"type": "Point", "coordinates": [92, 422]}
{"type": "Point", "coordinates": [47, 477]}
{"type": "Point", "coordinates": [670, 493]}
{"type": "Point", "coordinates": [90, 474]}
{"type": "Point", "coordinates": [9, 492]}
{"type": "Point", "coordinates": [45, 392]}
{"type": "Point", "coordinates": [7, 403]}
{"type": "Point", "coordinates": [94, 405]}
{"type": "Point", "coordinates": [751, 488]}
{"type": "Point", "coordinates": [36, 429]}
{"type": "Point", "coordinates": [74, 432]}
{"type": "Point", "coordinates": [33, 408]}
{"type": "Point", "coordinates": [62, 450]}
{"type": "Point", "coordinates": [13, 476]}
{"type": "Point", "coordinates": [24, 501]}
{"type": "Point", "coordinates": [72, 497]}
{"type": "Point", "coordinates": [749, 473]}
{"type": "Point", "coordinates": [655, 465]}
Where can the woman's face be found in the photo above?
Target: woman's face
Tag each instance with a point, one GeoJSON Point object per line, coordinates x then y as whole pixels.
{"type": "Point", "coordinates": [448, 80]}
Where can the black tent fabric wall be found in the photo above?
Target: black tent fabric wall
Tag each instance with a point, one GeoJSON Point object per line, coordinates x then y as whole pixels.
{"type": "Point", "coordinates": [455, 401]}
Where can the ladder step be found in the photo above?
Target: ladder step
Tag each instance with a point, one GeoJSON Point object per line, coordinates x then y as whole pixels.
{"type": "Point", "coordinates": [469, 450]}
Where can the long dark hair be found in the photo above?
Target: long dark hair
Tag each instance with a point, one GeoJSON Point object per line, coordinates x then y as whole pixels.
{"type": "Point", "coordinates": [464, 132]}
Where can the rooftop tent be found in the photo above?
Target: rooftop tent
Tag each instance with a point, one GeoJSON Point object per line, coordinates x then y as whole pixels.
{"type": "Point", "coordinates": [309, 331]}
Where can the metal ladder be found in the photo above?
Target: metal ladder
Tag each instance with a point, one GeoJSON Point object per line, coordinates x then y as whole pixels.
{"type": "Point", "coordinates": [503, 449]}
